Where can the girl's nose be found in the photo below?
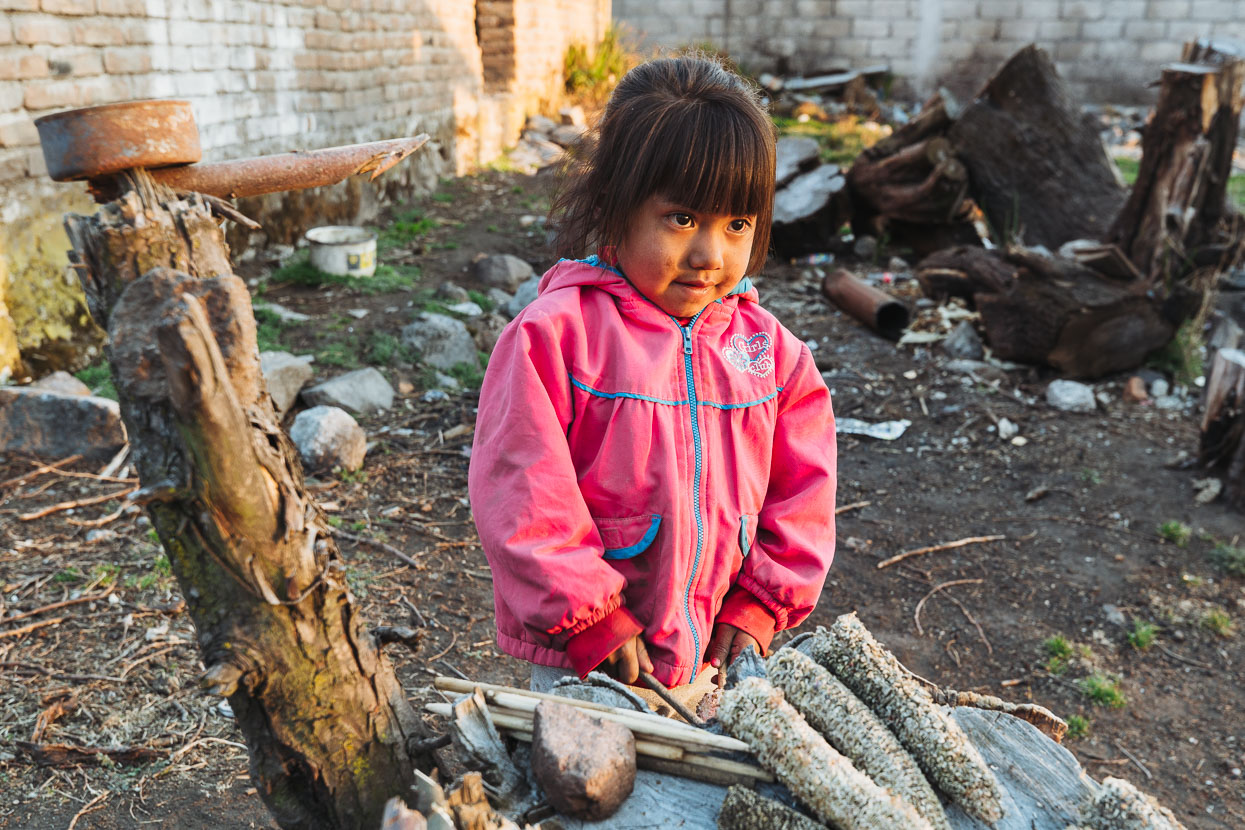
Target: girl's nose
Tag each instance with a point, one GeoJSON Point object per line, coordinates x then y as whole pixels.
{"type": "Point", "coordinates": [706, 252]}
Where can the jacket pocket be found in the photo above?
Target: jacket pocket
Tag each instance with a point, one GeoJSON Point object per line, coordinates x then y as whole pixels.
{"type": "Point", "coordinates": [747, 533]}
{"type": "Point", "coordinates": [628, 536]}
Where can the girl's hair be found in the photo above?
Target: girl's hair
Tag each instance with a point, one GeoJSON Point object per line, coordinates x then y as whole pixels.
{"type": "Point", "coordinates": [686, 129]}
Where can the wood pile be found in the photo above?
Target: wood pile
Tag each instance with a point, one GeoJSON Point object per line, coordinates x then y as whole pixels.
{"type": "Point", "coordinates": [830, 731]}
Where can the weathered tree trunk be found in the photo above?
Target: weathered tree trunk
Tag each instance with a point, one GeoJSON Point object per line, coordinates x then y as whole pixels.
{"type": "Point", "coordinates": [1037, 165]}
{"type": "Point", "coordinates": [325, 720]}
{"type": "Point", "coordinates": [1178, 198]}
{"type": "Point", "coordinates": [922, 182]}
{"type": "Point", "coordinates": [809, 211]}
{"type": "Point", "coordinates": [1223, 424]}
{"type": "Point", "coordinates": [1054, 311]}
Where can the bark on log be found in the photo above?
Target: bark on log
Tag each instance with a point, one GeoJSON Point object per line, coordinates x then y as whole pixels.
{"type": "Point", "coordinates": [1222, 446]}
{"type": "Point", "coordinates": [1054, 311]}
{"type": "Point", "coordinates": [324, 718]}
{"type": "Point", "coordinates": [1178, 198]}
{"type": "Point", "coordinates": [809, 211]}
{"type": "Point", "coordinates": [1037, 166]}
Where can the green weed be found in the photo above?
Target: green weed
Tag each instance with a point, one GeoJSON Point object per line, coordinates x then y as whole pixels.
{"type": "Point", "coordinates": [1143, 634]}
{"type": "Point", "coordinates": [98, 377]}
{"type": "Point", "coordinates": [466, 374]}
{"type": "Point", "coordinates": [481, 299]}
{"type": "Point", "coordinates": [70, 574]}
{"type": "Point", "coordinates": [1078, 726]}
{"type": "Point", "coordinates": [592, 74]}
{"type": "Point", "coordinates": [268, 329]}
{"type": "Point", "coordinates": [1181, 358]}
{"type": "Point", "coordinates": [1176, 532]}
{"type": "Point", "coordinates": [1218, 622]}
{"type": "Point", "coordinates": [334, 521]}
{"type": "Point", "coordinates": [1229, 558]}
{"type": "Point", "coordinates": [1103, 690]}
{"type": "Point", "coordinates": [382, 347]}
{"type": "Point", "coordinates": [343, 353]}
{"type": "Point", "coordinates": [1059, 650]}
{"type": "Point", "coordinates": [106, 574]}
{"type": "Point", "coordinates": [387, 278]}
{"type": "Point", "coordinates": [354, 477]}
{"type": "Point", "coordinates": [1128, 169]}
{"type": "Point", "coordinates": [443, 198]}
{"type": "Point", "coordinates": [1091, 477]}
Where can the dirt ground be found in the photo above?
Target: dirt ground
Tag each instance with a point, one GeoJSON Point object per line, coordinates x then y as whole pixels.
{"type": "Point", "coordinates": [1078, 505]}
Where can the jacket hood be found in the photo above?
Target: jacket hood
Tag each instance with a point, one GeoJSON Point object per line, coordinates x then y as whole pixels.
{"type": "Point", "coordinates": [593, 271]}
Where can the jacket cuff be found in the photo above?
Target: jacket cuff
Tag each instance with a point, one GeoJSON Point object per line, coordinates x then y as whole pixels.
{"type": "Point", "coordinates": [747, 613]}
{"type": "Point", "coordinates": [587, 649]}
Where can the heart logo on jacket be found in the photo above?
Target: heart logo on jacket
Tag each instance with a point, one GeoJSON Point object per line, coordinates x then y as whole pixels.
{"type": "Point", "coordinates": [750, 354]}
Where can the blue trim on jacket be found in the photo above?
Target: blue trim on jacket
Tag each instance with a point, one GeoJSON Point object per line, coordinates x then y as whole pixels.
{"type": "Point", "coordinates": [640, 546]}
{"type": "Point", "coordinates": [578, 384]}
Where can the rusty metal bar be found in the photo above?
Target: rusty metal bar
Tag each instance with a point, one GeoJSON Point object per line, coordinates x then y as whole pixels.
{"type": "Point", "coordinates": [289, 171]}
{"type": "Point", "coordinates": [876, 309]}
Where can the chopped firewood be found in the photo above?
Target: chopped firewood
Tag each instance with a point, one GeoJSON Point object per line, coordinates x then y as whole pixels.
{"type": "Point", "coordinates": [940, 747]}
{"type": "Point", "coordinates": [821, 778]}
{"type": "Point", "coordinates": [852, 729]}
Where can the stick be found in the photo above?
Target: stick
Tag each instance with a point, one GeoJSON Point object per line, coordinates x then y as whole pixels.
{"type": "Point", "coordinates": [1173, 655]}
{"type": "Point", "coordinates": [69, 505]}
{"type": "Point", "coordinates": [1130, 756]}
{"type": "Point", "coordinates": [855, 506]}
{"type": "Point", "coordinates": [662, 692]}
{"type": "Point", "coordinates": [102, 520]}
{"type": "Point", "coordinates": [93, 804]}
{"type": "Point", "coordinates": [916, 617]}
{"type": "Point", "coordinates": [390, 549]}
{"type": "Point", "coordinates": [26, 629]}
{"type": "Point", "coordinates": [53, 607]}
{"type": "Point", "coordinates": [959, 543]}
{"type": "Point", "coordinates": [77, 678]}
{"type": "Point", "coordinates": [43, 468]}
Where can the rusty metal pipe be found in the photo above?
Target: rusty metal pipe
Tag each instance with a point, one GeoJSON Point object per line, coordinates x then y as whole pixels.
{"type": "Point", "coordinates": [288, 171]}
{"type": "Point", "coordinates": [876, 309]}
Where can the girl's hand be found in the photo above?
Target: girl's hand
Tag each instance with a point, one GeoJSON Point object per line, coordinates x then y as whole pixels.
{"type": "Point", "coordinates": [725, 646]}
{"type": "Point", "coordinates": [627, 661]}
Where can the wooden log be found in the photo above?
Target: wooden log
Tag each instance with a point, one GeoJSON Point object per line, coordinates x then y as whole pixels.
{"type": "Point", "coordinates": [1037, 165]}
{"type": "Point", "coordinates": [809, 211]}
{"type": "Point", "coordinates": [1229, 58]}
{"type": "Point", "coordinates": [325, 720]}
{"type": "Point", "coordinates": [1222, 446]}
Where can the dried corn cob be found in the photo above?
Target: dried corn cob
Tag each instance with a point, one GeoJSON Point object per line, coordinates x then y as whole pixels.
{"type": "Point", "coordinates": [1121, 806]}
{"type": "Point", "coordinates": [743, 809]}
{"type": "Point", "coordinates": [852, 729]}
{"type": "Point", "coordinates": [820, 777]}
{"type": "Point", "coordinates": [939, 746]}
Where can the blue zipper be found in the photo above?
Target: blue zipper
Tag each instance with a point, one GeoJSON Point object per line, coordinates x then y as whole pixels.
{"type": "Point", "coordinates": [700, 524]}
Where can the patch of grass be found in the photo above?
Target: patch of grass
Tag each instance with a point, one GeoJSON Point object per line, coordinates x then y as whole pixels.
{"type": "Point", "coordinates": [388, 278]}
{"type": "Point", "coordinates": [1236, 190]}
{"type": "Point", "coordinates": [592, 73]}
{"type": "Point", "coordinates": [98, 377]}
{"type": "Point", "coordinates": [481, 299]}
{"type": "Point", "coordinates": [106, 574]}
{"type": "Point", "coordinates": [334, 521]}
{"type": "Point", "coordinates": [1229, 558]}
{"type": "Point", "coordinates": [1128, 169]}
{"type": "Point", "coordinates": [1181, 358]}
{"type": "Point", "coordinates": [1218, 622]}
{"type": "Point", "coordinates": [1090, 476]}
{"type": "Point", "coordinates": [1059, 650]}
{"type": "Point", "coordinates": [466, 374]}
{"type": "Point", "coordinates": [381, 347]}
{"type": "Point", "coordinates": [1104, 690]}
{"type": "Point", "coordinates": [407, 226]}
{"type": "Point", "coordinates": [354, 477]}
{"type": "Point", "coordinates": [269, 328]}
{"type": "Point", "coordinates": [70, 574]}
{"type": "Point", "coordinates": [343, 353]}
{"type": "Point", "coordinates": [1143, 634]}
{"type": "Point", "coordinates": [1078, 726]}
{"type": "Point", "coordinates": [1176, 532]}
{"type": "Point", "coordinates": [443, 198]}
{"type": "Point", "coordinates": [840, 140]}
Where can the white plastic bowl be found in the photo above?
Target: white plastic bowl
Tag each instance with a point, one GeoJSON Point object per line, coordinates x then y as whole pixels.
{"type": "Point", "coordinates": [343, 249]}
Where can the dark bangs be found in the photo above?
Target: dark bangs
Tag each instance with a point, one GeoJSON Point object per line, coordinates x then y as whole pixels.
{"type": "Point", "coordinates": [685, 129]}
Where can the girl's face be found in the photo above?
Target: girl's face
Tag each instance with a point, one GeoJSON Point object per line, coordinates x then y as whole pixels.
{"type": "Point", "coordinates": [683, 259]}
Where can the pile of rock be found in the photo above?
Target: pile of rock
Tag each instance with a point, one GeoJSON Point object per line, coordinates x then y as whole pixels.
{"type": "Point", "coordinates": [544, 141]}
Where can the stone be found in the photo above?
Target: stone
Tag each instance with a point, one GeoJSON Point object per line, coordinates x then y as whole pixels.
{"type": "Point", "coordinates": [527, 292]}
{"type": "Point", "coordinates": [53, 425]}
{"type": "Point", "coordinates": [466, 309]}
{"type": "Point", "coordinates": [541, 124]}
{"type": "Point", "coordinates": [586, 766]}
{"type": "Point", "coordinates": [499, 298]}
{"type": "Point", "coordinates": [503, 271]}
{"type": "Point", "coordinates": [963, 343]}
{"type": "Point", "coordinates": [567, 135]}
{"type": "Point", "coordinates": [898, 265]}
{"type": "Point", "coordinates": [1007, 429]}
{"type": "Point", "coordinates": [486, 330]}
{"type": "Point", "coordinates": [364, 391]}
{"type": "Point", "coordinates": [1169, 402]}
{"type": "Point", "coordinates": [328, 439]}
{"type": "Point", "coordinates": [453, 292]}
{"type": "Point", "coordinates": [794, 155]}
{"type": "Point", "coordinates": [573, 115]}
{"type": "Point", "coordinates": [285, 315]}
{"type": "Point", "coordinates": [1114, 615]}
{"type": "Point", "coordinates": [1070, 396]}
{"type": "Point", "coordinates": [865, 248]}
{"type": "Point", "coordinates": [442, 341]}
{"type": "Point", "coordinates": [62, 382]}
{"type": "Point", "coordinates": [286, 375]}
{"type": "Point", "coordinates": [1135, 390]}
{"type": "Point", "coordinates": [1159, 387]}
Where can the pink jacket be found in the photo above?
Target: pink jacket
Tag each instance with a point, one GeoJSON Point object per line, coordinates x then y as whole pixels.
{"type": "Point", "coordinates": [630, 474]}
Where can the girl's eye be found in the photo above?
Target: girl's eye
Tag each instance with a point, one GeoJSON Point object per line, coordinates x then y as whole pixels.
{"type": "Point", "coordinates": [683, 220]}
{"type": "Point", "coordinates": [740, 225]}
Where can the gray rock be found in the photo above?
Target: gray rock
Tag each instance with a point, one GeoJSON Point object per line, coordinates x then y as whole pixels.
{"type": "Point", "coordinates": [963, 343]}
{"type": "Point", "coordinates": [1169, 402]}
{"type": "Point", "coordinates": [1070, 396]}
{"type": "Point", "coordinates": [284, 314]}
{"type": "Point", "coordinates": [567, 134]}
{"type": "Point", "coordinates": [363, 391]}
{"type": "Point", "coordinates": [286, 376]}
{"type": "Point", "coordinates": [573, 115]}
{"type": "Point", "coordinates": [585, 765]}
{"type": "Point", "coordinates": [445, 381]}
{"type": "Point", "coordinates": [541, 124]}
{"type": "Point", "coordinates": [328, 438]}
{"type": "Point", "coordinates": [1114, 615]}
{"type": "Point", "coordinates": [466, 309]}
{"type": "Point", "coordinates": [503, 271]}
{"type": "Point", "coordinates": [898, 265]}
{"type": "Point", "coordinates": [62, 382]}
{"type": "Point", "coordinates": [453, 292]}
{"type": "Point", "coordinates": [433, 395]}
{"type": "Point", "coordinates": [1159, 387]}
{"type": "Point", "coordinates": [485, 330]}
{"type": "Point", "coordinates": [795, 154]}
{"type": "Point", "coordinates": [442, 341]}
{"type": "Point", "coordinates": [865, 247]}
{"type": "Point", "coordinates": [527, 292]}
{"type": "Point", "coordinates": [54, 425]}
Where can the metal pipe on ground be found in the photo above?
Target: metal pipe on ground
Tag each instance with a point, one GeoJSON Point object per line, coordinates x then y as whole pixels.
{"type": "Point", "coordinates": [876, 309]}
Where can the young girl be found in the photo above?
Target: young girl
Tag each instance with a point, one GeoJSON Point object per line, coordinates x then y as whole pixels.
{"type": "Point", "coordinates": [654, 464]}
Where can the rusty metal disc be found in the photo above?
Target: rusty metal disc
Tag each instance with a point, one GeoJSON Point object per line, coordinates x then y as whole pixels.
{"type": "Point", "coordinates": [97, 141]}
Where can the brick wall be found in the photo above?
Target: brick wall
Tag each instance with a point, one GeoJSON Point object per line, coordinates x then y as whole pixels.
{"type": "Point", "coordinates": [1108, 51]}
{"type": "Point", "coordinates": [268, 76]}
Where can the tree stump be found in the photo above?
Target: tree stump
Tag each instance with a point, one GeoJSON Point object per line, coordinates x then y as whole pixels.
{"type": "Point", "coordinates": [1222, 448]}
{"type": "Point", "coordinates": [325, 720]}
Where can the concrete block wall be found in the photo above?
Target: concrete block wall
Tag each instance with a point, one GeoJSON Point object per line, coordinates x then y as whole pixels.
{"type": "Point", "coordinates": [270, 76]}
{"type": "Point", "coordinates": [1108, 50]}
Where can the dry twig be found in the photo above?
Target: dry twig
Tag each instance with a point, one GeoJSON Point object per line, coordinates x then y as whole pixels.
{"type": "Point", "coordinates": [364, 540]}
{"type": "Point", "coordinates": [959, 543]}
{"type": "Point", "coordinates": [26, 629]}
{"type": "Point", "coordinates": [916, 616]}
{"type": "Point", "coordinates": [53, 607]}
{"type": "Point", "coordinates": [92, 805]}
{"type": "Point", "coordinates": [855, 506]}
{"type": "Point", "coordinates": [69, 505]}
